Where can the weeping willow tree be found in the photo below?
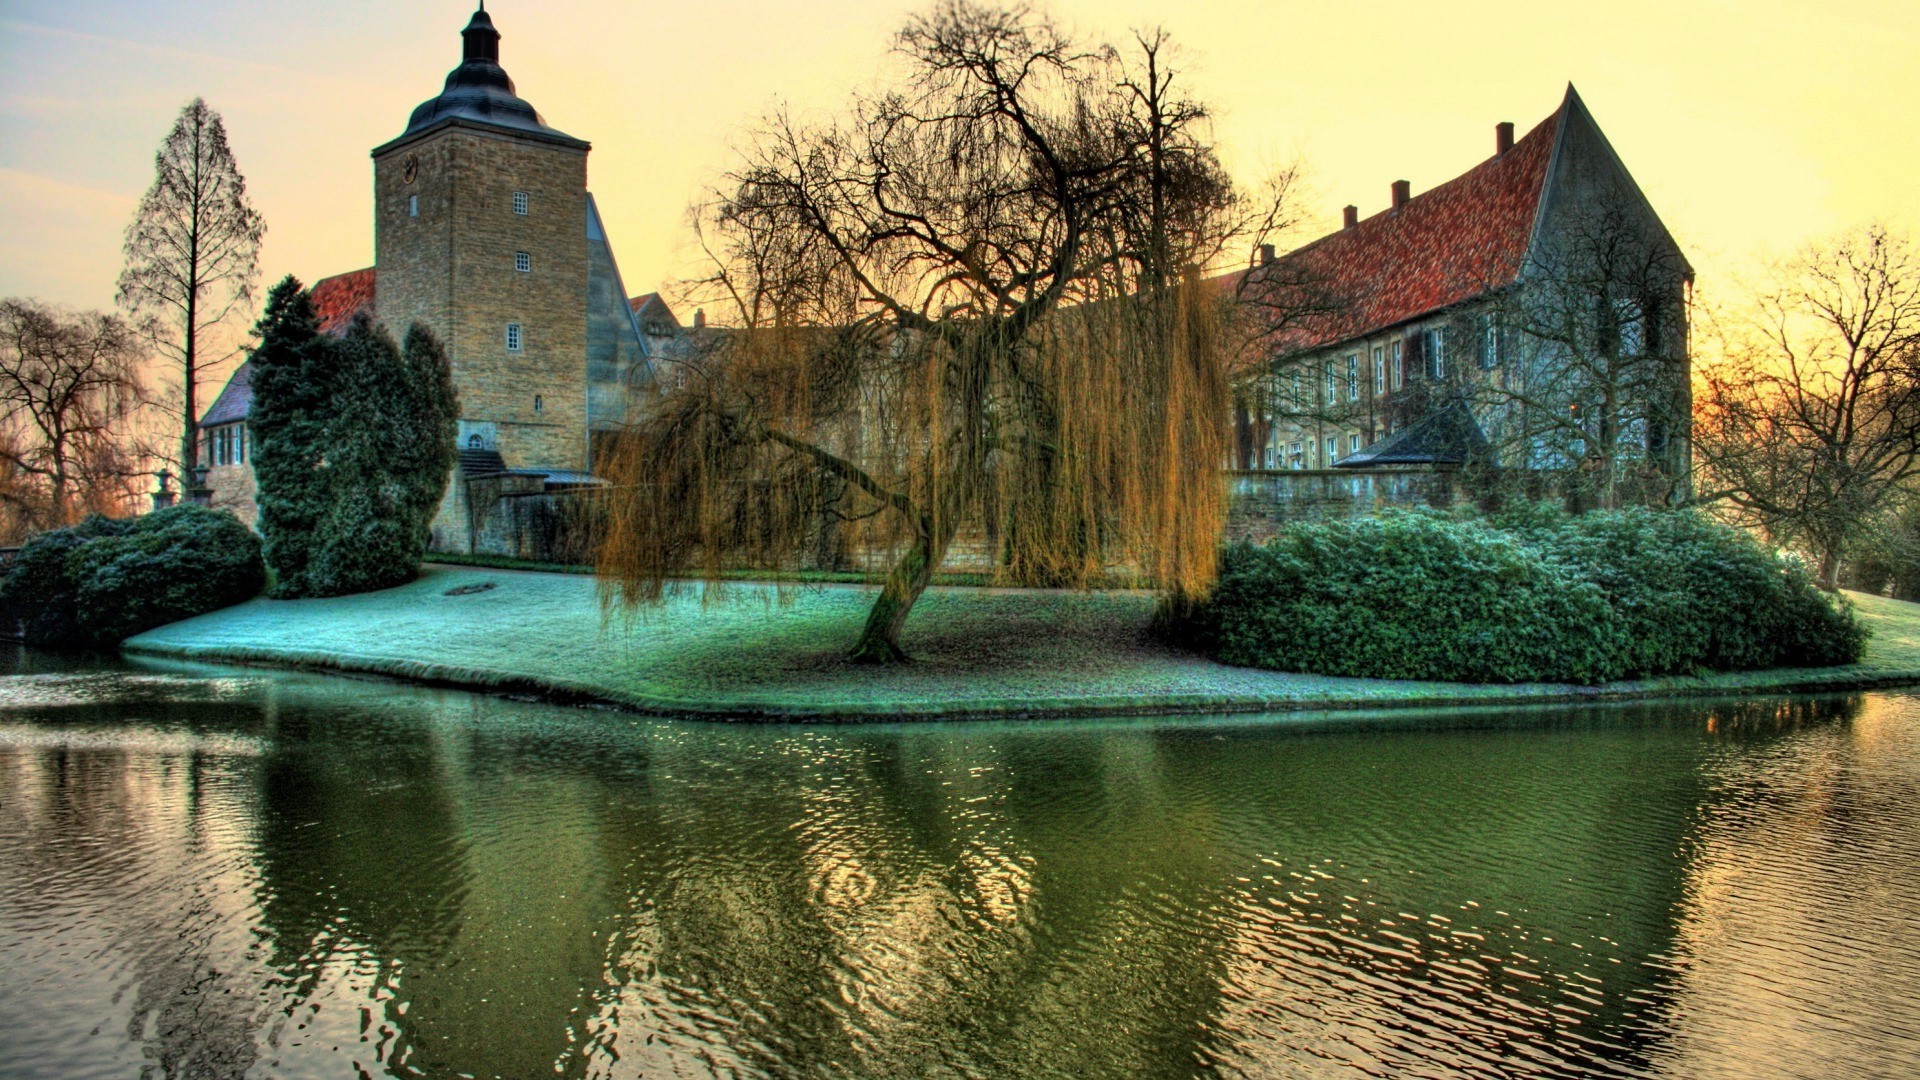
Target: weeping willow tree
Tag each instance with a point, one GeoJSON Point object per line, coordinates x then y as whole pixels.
{"type": "Point", "coordinates": [970, 302]}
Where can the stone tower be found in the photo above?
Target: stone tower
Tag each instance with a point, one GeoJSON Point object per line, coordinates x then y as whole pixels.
{"type": "Point", "coordinates": [480, 232]}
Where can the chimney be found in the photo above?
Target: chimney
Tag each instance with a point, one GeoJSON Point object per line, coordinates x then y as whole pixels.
{"type": "Point", "coordinates": [1266, 254]}
{"type": "Point", "coordinates": [1402, 191]}
{"type": "Point", "coordinates": [700, 318]}
{"type": "Point", "coordinates": [1350, 217]}
{"type": "Point", "coordinates": [1502, 137]}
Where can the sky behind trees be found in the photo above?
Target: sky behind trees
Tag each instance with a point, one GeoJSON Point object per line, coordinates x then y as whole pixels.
{"type": "Point", "coordinates": [1752, 125]}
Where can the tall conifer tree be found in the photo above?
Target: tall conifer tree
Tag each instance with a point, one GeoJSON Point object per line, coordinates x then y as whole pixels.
{"type": "Point", "coordinates": [193, 256]}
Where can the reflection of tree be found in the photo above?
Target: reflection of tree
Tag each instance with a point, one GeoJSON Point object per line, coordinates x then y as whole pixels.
{"type": "Point", "coordinates": [513, 890]}
{"type": "Point", "coordinates": [133, 854]}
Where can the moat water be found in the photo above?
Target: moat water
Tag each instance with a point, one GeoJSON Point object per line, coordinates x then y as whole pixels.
{"type": "Point", "coordinates": [218, 872]}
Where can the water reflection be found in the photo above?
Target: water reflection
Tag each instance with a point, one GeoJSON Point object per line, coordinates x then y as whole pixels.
{"type": "Point", "coordinates": [297, 876]}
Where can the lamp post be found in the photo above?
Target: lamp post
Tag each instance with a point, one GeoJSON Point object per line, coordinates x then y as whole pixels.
{"type": "Point", "coordinates": [163, 497]}
{"type": "Point", "coordinates": [200, 494]}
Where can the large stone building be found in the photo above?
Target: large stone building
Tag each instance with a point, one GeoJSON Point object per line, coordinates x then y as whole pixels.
{"type": "Point", "coordinates": [485, 232]}
{"type": "Point", "coordinates": [1529, 315]}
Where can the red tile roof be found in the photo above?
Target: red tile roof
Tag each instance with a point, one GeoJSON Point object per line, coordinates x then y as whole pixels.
{"type": "Point", "coordinates": [1447, 245]}
{"type": "Point", "coordinates": [339, 298]}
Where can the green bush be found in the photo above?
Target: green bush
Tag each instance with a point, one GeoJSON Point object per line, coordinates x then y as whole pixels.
{"type": "Point", "coordinates": [103, 581]}
{"type": "Point", "coordinates": [1408, 596]}
{"type": "Point", "coordinates": [1696, 593]}
{"type": "Point", "coordinates": [1532, 596]}
{"type": "Point", "coordinates": [38, 595]}
{"type": "Point", "coordinates": [353, 447]}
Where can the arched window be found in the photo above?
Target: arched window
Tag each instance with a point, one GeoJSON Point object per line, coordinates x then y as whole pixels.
{"type": "Point", "coordinates": [539, 403]}
{"type": "Point", "coordinates": [474, 442]}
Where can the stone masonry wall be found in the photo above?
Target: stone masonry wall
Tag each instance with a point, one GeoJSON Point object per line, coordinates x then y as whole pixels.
{"type": "Point", "coordinates": [453, 267]}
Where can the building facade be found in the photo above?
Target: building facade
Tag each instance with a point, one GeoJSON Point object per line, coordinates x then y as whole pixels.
{"type": "Point", "coordinates": [485, 233]}
{"type": "Point", "coordinates": [1529, 315]}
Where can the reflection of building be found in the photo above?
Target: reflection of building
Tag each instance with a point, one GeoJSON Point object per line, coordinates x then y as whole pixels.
{"type": "Point", "coordinates": [1448, 328]}
{"type": "Point", "coordinates": [485, 232]}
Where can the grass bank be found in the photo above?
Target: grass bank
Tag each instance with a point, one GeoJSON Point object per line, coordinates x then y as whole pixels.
{"type": "Point", "coordinates": [754, 652]}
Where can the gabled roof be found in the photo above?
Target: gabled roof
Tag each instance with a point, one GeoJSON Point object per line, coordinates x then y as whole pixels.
{"type": "Point", "coordinates": [651, 308]}
{"type": "Point", "coordinates": [1447, 436]}
{"type": "Point", "coordinates": [234, 400]}
{"type": "Point", "coordinates": [1465, 238]}
{"type": "Point", "coordinates": [336, 300]}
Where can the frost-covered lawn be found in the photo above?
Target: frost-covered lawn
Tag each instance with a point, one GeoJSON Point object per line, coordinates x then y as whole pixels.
{"type": "Point", "coordinates": [755, 652]}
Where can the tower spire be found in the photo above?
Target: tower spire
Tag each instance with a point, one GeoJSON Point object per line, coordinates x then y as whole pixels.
{"type": "Point", "coordinates": [482, 40]}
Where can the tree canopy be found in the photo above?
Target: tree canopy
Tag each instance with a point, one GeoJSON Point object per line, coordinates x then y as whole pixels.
{"type": "Point", "coordinates": [1809, 429]}
{"type": "Point", "coordinates": [970, 301]}
{"type": "Point", "coordinates": [193, 257]}
{"type": "Point", "coordinates": [353, 445]}
{"type": "Point", "coordinates": [69, 385]}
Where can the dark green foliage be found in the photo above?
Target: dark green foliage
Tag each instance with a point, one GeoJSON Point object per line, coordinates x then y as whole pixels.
{"type": "Point", "coordinates": [1408, 596]}
{"type": "Point", "coordinates": [1695, 593]}
{"type": "Point", "coordinates": [173, 565]}
{"type": "Point", "coordinates": [293, 388]}
{"type": "Point", "coordinates": [1888, 560]}
{"type": "Point", "coordinates": [1534, 596]}
{"type": "Point", "coordinates": [37, 595]}
{"type": "Point", "coordinates": [103, 581]}
{"type": "Point", "coordinates": [357, 438]}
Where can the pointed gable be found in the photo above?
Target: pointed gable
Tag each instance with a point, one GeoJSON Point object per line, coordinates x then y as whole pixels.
{"type": "Point", "coordinates": [1463, 239]}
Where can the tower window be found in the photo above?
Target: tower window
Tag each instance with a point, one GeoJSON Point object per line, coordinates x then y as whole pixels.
{"type": "Point", "coordinates": [539, 403]}
{"type": "Point", "coordinates": [520, 203]}
{"type": "Point", "coordinates": [513, 337]}
{"type": "Point", "coordinates": [413, 206]}
{"type": "Point", "coordinates": [523, 262]}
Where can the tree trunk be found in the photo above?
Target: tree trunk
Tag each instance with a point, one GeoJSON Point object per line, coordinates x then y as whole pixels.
{"type": "Point", "coordinates": [1830, 569]}
{"type": "Point", "coordinates": [880, 641]}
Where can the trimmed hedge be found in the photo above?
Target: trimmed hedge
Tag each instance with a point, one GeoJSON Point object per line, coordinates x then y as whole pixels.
{"type": "Point", "coordinates": [102, 581]}
{"type": "Point", "coordinates": [1532, 597]}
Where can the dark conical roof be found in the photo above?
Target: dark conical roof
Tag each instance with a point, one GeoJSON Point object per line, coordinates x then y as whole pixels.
{"type": "Point", "coordinates": [479, 91]}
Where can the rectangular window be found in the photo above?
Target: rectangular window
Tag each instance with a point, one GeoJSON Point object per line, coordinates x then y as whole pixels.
{"type": "Point", "coordinates": [1268, 458]}
{"type": "Point", "coordinates": [1437, 354]}
{"type": "Point", "coordinates": [1633, 328]}
{"type": "Point", "coordinates": [1353, 444]}
{"type": "Point", "coordinates": [1353, 376]}
{"type": "Point", "coordinates": [1296, 456]}
{"type": "Point", "coordinates": [520, 203]}
{"type": "Point", "coordinates": [522, 262]}
{"type": "Point", "coordinates": [1294, 400]}
{"type": "Point", "coordinates": [1333, 386]}
{"type": "Point", "coordinates": [1379, 371]}
{"type": "Point", "coordinates": [240, 444]}
{"type": "Point", "coordinates": [413, 206]}
{"type": "Point", "coordinates": [1490, 344]}
{"type": "Point", "coordinates": [513, 337]}
{"type": "Point", "coordinates": [1399, 364]}
{"type": "Point", "coordinates": [1333, 449]}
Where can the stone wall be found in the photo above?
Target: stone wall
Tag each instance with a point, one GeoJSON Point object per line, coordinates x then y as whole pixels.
{"type": "Point", "coordinates": [453, 268]}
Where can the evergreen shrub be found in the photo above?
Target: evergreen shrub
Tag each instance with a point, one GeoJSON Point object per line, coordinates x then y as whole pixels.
{"type": "Point", "coordinates": [102, 581]}
{"type": "Point", "coordinates": [1694, 593]}
{"type": "Point", "coordinates": [353, 447]}
{"type": "Point", "coordinates": [1532, 596]}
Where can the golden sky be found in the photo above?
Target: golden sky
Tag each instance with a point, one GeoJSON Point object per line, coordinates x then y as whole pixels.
{"type": "Point", "coordinates": [1752, 126]}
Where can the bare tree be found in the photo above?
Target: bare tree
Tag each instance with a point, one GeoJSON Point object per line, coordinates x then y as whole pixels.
{"type": "Point", "coordinates": [1592, 358]}
{"type": "Point", "coordinates": [970, 302]}
{"type": "Point", "coordinates": [69, 384]}
{"type": "Point", "coordinates": [1810, 426]}
{"type": "Point", "coordinates": [193, 256]}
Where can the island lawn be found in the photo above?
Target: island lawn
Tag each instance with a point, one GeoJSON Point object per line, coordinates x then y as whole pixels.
{"type": "Point", "coordinates": [753, 651]}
